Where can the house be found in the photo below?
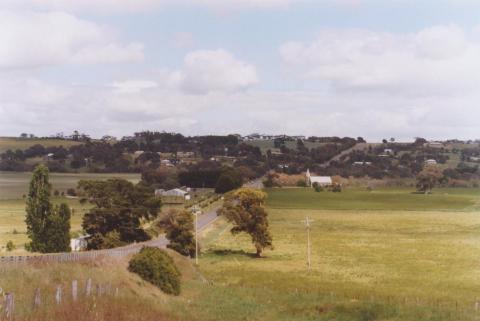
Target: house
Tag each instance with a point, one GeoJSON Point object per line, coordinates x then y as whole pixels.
{"type": "Point", "coordinates": [79, 244]}
{"type": "Point", "coordinates": [166, 162]}
{"type": "Point", "coordinates": [431, 162]}
{"type": "Point", "coordinates": [362, 163]}
{"type": "Point", "coordinates": [388, 151]}
{"type": "Point", "coordinates": [176, 192]}
{"type": "Point", "coordinates": [320, 180]}
{"type": "Point", "coordinates": [434, 144]}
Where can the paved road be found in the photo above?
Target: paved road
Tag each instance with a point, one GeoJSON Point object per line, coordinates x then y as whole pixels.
{"type": "Point", "coordinates": [204, 220]}
{"type": "Point", "coordinates": [358, 146]}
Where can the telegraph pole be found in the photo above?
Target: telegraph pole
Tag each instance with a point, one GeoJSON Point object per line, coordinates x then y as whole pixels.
{"type": "Point", "coordinates": [196, 233]}
{"type": "Point", "coordinates": [307, 222]}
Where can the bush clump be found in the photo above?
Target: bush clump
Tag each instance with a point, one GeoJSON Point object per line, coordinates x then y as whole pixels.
{"type": "Point", "coordinates": [157, 267]}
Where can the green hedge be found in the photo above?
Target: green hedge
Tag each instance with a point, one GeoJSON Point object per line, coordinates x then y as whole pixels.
{"type": "Point", "coordinates": [157, 267]}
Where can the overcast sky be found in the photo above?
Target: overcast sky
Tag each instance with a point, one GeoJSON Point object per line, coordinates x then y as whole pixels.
{"type": "Point", "coordinates": [396, 68]}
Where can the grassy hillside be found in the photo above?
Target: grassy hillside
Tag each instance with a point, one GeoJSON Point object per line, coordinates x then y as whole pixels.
{"type": "Point", "coordinates": [382, 199]}
{"type": "Point", "coordinates": [13, 184]}
{"type": "Point", "coordinates": [366, 265]}
{"type": "Point", "coordinates": [14, 143]}
{"type": "Point", "coordinates": [137, 300]}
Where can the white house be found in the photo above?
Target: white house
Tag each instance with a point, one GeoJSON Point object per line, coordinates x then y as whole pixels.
{"type": "Point", "coordinates": [320, 180]}
{"type": "Point", "coordinates": [176, 192]}
{"type": "Point", "coordinates": [431, 162]}
{"type": "Point", "coordinates": [362, 163]}
{"type": "Point", "coordinates": [79, 244]}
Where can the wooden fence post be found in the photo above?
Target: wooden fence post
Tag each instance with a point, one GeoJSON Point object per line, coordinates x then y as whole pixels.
{"type": "Point", "coordinates": [37, 301]}
{"type": "Point", "coordinates": [9, 306]}
{"type": "Point", "coordinates": [74, 290]}
{"type": "Point", "coordinates": [58, 294]}
{"type": "Point", "coordinates": [88, 287]}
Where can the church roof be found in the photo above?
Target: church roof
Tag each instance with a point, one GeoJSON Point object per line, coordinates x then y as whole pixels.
{"type": "Point", "coordinates": [321, 179]}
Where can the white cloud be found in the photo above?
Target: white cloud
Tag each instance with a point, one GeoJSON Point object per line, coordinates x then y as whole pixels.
{"type": "Point", "coordinates": [38, 39]}
{"type": "Point", "coordinates": [207, 71]}
{"type": "Point", "coordinates": [133, 86]}
{"type": "Point", "coordinates": [124, 107]}
{"type": "Point", "coordinates": [438, 60]}
{"type": "Point", "coordinates": [182, 40]}
{"type": "Point", "coordinates": [109, 6]}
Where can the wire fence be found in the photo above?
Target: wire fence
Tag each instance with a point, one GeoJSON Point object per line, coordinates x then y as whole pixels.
{"type": "Point", "coordinates": [82, 256]}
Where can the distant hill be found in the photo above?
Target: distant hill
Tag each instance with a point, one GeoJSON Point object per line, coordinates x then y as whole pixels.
{"type": "Point", "coordinates": [15, 143]}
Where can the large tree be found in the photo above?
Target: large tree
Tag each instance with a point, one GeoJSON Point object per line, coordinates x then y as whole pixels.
{"type": "Point", "coordinates": [178, 225]}
{"type": "Point", "coordinates": [428, 178]}
{"type": "Point", "coordinates": [245, 209]}
{"type": "Point", "coordinates": [120, 209]}
{"type": "Point", "coordinates": [58, 229]}
{"type": "Point", "coordinates": [48, 228]}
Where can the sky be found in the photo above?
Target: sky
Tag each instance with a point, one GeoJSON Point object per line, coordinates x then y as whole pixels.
{"type": "Point", "coordinates": [370, 68]}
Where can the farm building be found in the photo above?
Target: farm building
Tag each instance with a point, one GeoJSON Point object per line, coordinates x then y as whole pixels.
{"type": "Point", "coordinates": [79, 244]}
{"type": "Point", "coordinates": [431, 162]}
{"type": "Point", "coordinates": [173, 193]}
{"type": "Point", "coordinates": [320, 180]}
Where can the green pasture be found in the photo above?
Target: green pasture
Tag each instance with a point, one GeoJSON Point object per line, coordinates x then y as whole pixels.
{"type": "Point", "coordinates": [265, 145]}
{"type": "Point", "coordinates": [442, 199]}
{"type": "Point", "coordinates": [14, 143]}
{"type": "Point", "coordinates": [12, 221]}
{"type": "Point", "coordinates": [12, 205]}
{"type": "Point", "coordinates": [13, 185]}
{"type": "Point", "coordinates": [380, 261]}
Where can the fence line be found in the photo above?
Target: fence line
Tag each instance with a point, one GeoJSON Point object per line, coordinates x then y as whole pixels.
{"type": "Point", "coordinates": [80, 256]}
{"type": "Point", "coordinates": [7, 307]}
{"type": "Point", "coordinates": [90, 255]}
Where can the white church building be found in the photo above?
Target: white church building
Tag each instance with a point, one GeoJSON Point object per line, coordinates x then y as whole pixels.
{"type": "Point", "coordinates": [320, 180]}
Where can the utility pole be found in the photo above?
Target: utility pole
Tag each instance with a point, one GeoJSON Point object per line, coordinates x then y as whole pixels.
{"type": "Point", "coordinates": [196, 233]}
{"type": "Point", "coordinates": [307, 222]}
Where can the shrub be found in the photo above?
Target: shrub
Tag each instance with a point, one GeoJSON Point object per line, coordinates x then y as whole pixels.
{"type": "Point", "coordinates": [10, 246]}
{"type": "Point", "coordinates": [337, 188]}
{"type": "Point", "coordinates": [301, 183]}
{"type": "Point", "coordinates": [157, 267]}
{"type": "Point", "coordinates": [71, 192]}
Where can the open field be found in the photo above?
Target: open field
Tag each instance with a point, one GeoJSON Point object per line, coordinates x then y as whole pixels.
{"type": "Point", "coordinates": [13, 184]}
{"type": "Point", "coordinates": [12, 221]}
{"type": "Point", "coordinates": [12, 205]}
{"type": "Point", "coordinates": [368, 264]}
{"type": "Point", "coordinates": [442, 199]}
{"type": "Point", "coordinates": [265, 145]}
{"type": "Point", "coordinates": [14, 143]}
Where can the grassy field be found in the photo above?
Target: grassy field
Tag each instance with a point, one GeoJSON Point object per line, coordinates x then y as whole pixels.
{"type": "Point", "coordinates": [371, 263]}
{"type": "Point", "coordinates": [137, 300]}
{"type": "Point", "coordinates": [265, 145]}
{"type": "Point", "coordinates": [374, 259]}
{"type": "Point", "coordinates": [12, 205]}
{"type": "Point", "coordinates": [445, 199]}
{"type": "Point", "coordinates": [14, 143]}
{"type": "Point", "coordinates": [12, 219]}
{"type": "Point", "coordinates": [14, 185]}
